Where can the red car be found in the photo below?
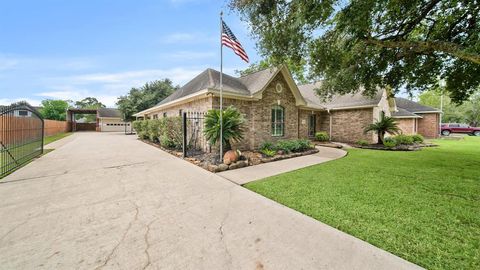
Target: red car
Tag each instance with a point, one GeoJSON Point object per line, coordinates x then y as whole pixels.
{"type": "Point", "coordinates": [459, 128]}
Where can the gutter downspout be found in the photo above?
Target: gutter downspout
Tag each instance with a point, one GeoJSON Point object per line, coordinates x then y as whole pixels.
{"type": "Point", "coordinates": [330, 124]}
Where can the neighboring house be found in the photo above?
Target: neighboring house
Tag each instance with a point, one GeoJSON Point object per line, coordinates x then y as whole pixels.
{"type": "Point", "coordinates": [276, 108]}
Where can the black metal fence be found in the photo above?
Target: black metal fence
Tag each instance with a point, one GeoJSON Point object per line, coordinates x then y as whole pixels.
{"type": "Point", "coordinates": [21, 136]}
{"type": "Point", "coordinates": [194, 141]}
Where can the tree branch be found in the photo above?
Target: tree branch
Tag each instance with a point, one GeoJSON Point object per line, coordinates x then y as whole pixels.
{"type": "Point", "coordinates": [427, 47]}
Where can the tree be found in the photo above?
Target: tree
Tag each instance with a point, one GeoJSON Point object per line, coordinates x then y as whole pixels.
{"type": "Point", "coordinates": [89, 103]}
{"type": "Point", "coordinates": [372, 43]}
{"type": "Point", "coordinates": [468, 112]}
{"type": "Point", "coordinates": [382, 127]}
{"type": "Point", "coordinates": [54, 109]}
{"type": "Point", "coordinates": [147, 96]}
{"type": "Point", "coordinates": [232, 121]}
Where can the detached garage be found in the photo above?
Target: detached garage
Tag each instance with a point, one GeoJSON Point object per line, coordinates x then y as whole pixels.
{"type": "Point", "coordinates": [110, 120]}
{"type": "Point", "coordinates": [107, 120]}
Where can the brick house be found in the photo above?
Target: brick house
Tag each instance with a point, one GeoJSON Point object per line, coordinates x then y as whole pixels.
{"type": "Point", "coordinates": [276, 108]}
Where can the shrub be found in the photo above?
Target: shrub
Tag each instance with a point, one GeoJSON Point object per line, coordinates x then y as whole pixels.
{"type": "Point", "coordinates": [172, 134]}
{"type": "Point", "coordinates": [417, 138]}
{"type": "Point", "coordinates": [267, 145]}
{"type": "Point", "coordinates": [286, 146]}
{"type": "Point", "coordinates": [321, 136]}
{"type": "Point", "coordinates": [403, 139]}
{"type": "Point", "coordinates": [389, 144]}
{"type": "Point", "coordinates": [268, 152]}
{"type": "Point", "coordinates": [232, 121]}
{"type": "Point", "coordinates": [289, 146]}
{"type": "Point", "coordinates": [141, 128]}
{"type": "Point", "coordinates": [153, 130]}
{"type": "Point", "coordinates": [362, 142]}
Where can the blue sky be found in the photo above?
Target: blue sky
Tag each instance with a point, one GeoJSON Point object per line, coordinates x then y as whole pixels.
{"type": "Point", "coordinates": [73, 49]}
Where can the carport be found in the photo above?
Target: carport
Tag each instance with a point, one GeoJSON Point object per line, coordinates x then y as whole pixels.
{"type": "Point", "coordinates": [74, 126]}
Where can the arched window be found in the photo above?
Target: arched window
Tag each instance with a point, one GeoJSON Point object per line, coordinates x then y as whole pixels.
{"type": "Point", "coordinates": [278, 120]}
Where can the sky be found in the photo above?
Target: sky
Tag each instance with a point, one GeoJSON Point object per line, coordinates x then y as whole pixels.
{"type": "Point", "coordinates": [72, 49]}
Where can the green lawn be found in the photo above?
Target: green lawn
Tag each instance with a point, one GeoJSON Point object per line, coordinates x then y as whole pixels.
{"type": "Point", "coordinates": [24, 153]}
{"type": "Point", "coordinates": [422, 206]}
{"type": "Point", "coordinates": [50, 139]}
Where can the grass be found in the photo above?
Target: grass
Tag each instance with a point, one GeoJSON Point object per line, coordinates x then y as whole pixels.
{"type": "Point", "coordinates": [422, 206]}
{"type": "Point", "coordinates": [50, 139]}
{"type": "Point", "coordinates": [26, 152]}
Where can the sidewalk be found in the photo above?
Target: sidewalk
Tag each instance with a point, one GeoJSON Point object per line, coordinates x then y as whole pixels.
{"type": "Point", "coordinates": [253, 173]}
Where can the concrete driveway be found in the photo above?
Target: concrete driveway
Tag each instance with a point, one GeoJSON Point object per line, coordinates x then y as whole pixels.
{"type": "Point", "coordinates": [108, 201]}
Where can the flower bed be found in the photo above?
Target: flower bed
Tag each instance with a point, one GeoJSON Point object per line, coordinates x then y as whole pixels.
{"type": "Point", "coordinates": [397, 143]}
{"type": "Point", "coordinates": [210, 161]}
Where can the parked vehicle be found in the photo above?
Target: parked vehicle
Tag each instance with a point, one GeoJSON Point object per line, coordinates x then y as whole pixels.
{"type": "Point", "coordinates": [459, 128]}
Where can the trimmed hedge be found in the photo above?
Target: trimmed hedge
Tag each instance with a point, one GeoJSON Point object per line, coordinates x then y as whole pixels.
{"type": "Point", "coordinates": [166, 131]}
{"type": "Point", "coordinates": [287, 146]}
{"type": "Point", "coordinates": [322, 136]}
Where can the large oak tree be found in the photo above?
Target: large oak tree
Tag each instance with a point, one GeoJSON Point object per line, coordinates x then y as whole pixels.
{"type": "Point", "coordinates": [409, 44]}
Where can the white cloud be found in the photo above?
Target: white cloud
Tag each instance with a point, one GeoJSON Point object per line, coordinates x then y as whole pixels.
{"type": "Point", "coordinates": [188, 37]}
{"type": "Point", "coordinates": [106, 87]}
{"type": "Point", "coordinates": [188, 55]}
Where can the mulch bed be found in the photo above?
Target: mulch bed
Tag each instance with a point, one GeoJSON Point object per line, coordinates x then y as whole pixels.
{"type": "Point", "coordinates": [412, 147]}
{"type": "Point", "coordinates": [210, 161]}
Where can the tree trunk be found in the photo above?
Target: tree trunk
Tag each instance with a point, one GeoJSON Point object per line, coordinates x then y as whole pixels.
{"type": "Point", "coordinates": [380, 137]}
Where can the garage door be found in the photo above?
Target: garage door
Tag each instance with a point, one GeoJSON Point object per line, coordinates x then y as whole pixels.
{"type": "Point", "coordinates": [114, 127]}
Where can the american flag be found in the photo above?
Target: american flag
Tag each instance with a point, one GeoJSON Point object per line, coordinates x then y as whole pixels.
{"type": "Point", "coordinates": [229, 40]}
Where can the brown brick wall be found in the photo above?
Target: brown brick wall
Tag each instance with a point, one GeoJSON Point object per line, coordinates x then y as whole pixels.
{"type": "Point", "coordinates": [348, 125]}
{"type": "Point", "coordinates": [259, 116]}
{"type": "Point", "coordinates": [407, 125]}
{"type": "Point", "coordinates": [428, 125]}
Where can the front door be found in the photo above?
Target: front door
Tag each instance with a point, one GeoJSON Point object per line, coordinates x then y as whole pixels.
{"type": "Point", "coordinates": [311, 125]}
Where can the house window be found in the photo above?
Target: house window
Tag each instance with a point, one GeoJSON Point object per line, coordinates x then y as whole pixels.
{"type": "Point", "coordinates": [311, 125]}
{"type": "Point", "coordinates": [22, 113]}
{"type": "Point", "coordinates": [382, 115]}
{"type": "Point", "coordinates": [164, 114]}
{"type": "Point", "coordinates": [179, 112]}
{"type": "Point", "coordinates": [278, 121]}
{"type": "Point", "coordinates": [155, 116]}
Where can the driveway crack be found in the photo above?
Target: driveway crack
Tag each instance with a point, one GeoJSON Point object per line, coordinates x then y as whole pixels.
{"type": "Point", "coordinates": [221, 228]}
{"type": "Point", "coordinates": [109, 257]}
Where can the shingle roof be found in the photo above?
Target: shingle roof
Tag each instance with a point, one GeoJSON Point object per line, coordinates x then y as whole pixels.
{"type": "Point", "coordinates": [402, 113]}
{"type": "Point", "coordinates": [413, 106]}
{"type": "Point", "coordinates": [338, 101]}
{"type": "Point", "coordinates": [210, 79]}
{"type": "Point", "coordinates": [109, 112]}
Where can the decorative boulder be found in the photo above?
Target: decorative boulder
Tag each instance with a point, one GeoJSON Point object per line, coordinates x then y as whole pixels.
{"type": "Point", "coordinates": [230, 157]}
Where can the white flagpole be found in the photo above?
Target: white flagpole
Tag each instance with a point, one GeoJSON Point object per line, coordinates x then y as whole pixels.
{"type": "Point", "coordinates": [221, 88]}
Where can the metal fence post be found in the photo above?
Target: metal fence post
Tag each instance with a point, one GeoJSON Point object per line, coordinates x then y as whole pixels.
{"type": "Point", "coordinates": [184, 129]}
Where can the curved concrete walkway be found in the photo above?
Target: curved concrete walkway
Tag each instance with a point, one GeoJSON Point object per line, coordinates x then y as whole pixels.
{"type": "Point", "coordinates": [257, 172]}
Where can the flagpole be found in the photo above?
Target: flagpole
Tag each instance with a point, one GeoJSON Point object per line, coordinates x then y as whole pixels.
{"type": "Point", "coordinates": [221, 88]}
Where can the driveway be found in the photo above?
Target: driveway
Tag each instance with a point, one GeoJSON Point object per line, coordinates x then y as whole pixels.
{"type": "Point", "coordinates": [108, 201]}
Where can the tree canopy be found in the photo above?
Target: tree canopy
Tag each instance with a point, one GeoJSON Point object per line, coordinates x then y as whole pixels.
{"type": "Point", "coordinates": [404, 44]}
{"type": "Point", "coordinates": [89, 103]}
{"type": "Point", "coordinates": [468, 112]}
{"type": "Point", "coordinates": [54, 109]}
{"type": "Point", "coordinates": [142, 98]}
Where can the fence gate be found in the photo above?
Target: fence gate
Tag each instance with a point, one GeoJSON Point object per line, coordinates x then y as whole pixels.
{"type": "Point", "coordinates": [194, 142]}
{"type": "Point", "coordinates": [21, 136]}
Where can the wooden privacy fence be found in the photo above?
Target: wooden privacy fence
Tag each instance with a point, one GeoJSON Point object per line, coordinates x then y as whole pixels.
{"type": "Point", "coordinates": [53, 127]}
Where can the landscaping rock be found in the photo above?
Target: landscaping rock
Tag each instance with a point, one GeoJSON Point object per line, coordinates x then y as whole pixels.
{"type": "Point", "coordinates": [242, 163]}
{"type": "Point", "coordinates": [230, 157]}
{"type": "Point", "coordinates": [222, 167]}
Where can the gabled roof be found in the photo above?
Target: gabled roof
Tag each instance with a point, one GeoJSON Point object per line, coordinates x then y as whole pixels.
{"type": "Point", "coordinates": [339, 101]}
{"type": "Point", "coordinates": [413, 106]}
{"type": "Point", "coordinates": [109, 112]}
{"type": "Point", "coordinates": [249, 86]}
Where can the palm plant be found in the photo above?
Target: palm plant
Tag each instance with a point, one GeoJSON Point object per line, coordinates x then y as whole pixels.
{"type": "Point", "coordinates": [382, 126]}
{"type": "Point", "coordinates": [232, 126]}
